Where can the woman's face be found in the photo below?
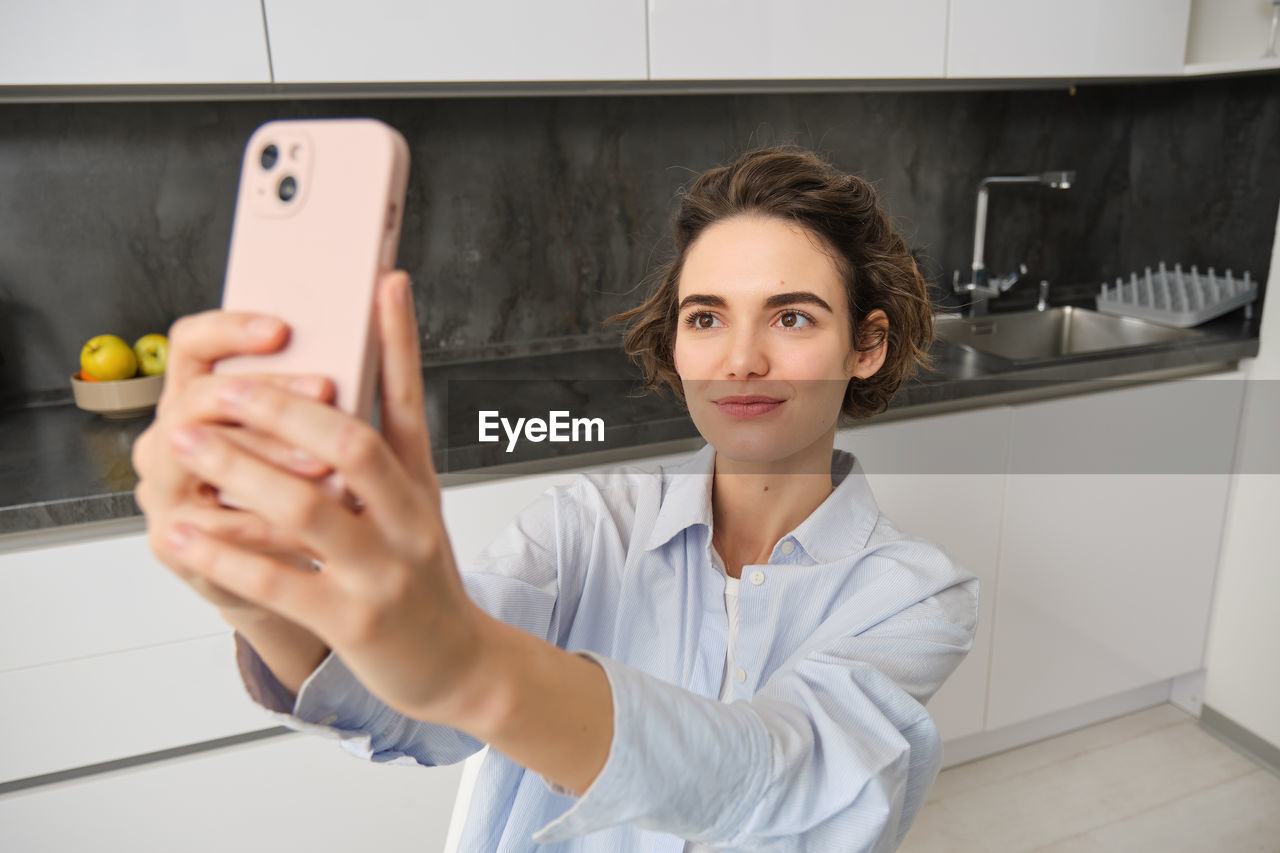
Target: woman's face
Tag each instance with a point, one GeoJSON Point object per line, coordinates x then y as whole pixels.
{"type": "Point", "coordinates": [763, 346]}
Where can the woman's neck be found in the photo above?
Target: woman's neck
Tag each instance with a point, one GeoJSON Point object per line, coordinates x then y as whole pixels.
{"type": "Point", "coordinates": [754, 504]}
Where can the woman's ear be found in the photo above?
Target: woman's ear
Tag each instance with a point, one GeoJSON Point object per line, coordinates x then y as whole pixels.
{"type": "Point", "coordinates": [873, 338]}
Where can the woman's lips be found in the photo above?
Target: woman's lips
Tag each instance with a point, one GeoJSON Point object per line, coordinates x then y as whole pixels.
{"type": "Point", "coordinates": [747, 407]}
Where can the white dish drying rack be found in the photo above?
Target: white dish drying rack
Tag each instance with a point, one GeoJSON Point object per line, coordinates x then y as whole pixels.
{"type": "Point", "coordinates": [1178, 298]}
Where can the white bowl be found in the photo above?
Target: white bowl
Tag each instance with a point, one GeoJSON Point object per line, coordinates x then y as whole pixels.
{"type": "Point", "coordinates": [123, 398]}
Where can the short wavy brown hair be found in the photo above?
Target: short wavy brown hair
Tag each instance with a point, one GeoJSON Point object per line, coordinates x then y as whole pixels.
{"type": "Point", "coordinates": [843, 211]}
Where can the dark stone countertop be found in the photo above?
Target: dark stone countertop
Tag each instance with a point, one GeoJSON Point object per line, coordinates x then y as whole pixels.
{"type": "Point", "coordinates": [61, 465]}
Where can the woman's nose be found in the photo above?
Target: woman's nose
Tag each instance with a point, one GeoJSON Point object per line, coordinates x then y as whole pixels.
{"type": "Point", "coordinates": [746, 356]}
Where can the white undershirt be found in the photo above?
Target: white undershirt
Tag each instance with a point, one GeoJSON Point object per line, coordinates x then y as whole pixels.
{"type": "Point", "coordinates": [726, 685]}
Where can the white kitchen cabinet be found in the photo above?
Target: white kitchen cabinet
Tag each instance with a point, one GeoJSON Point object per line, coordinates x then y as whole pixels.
{"type": "Point", "coordinates": [105, 654]}
{"type": "Point", "coordinates": [1113, 519]}
{"type": "Point", "coordinates": [107, 594]}
{"type": "Point", "coordinates": [1050, 38]}
{"type": "Point", "coordinates": [1096, 566]}
{"type": "Point", "coordinates": [72, 42]}
{"type": "Point", "coordinates": [400, 41]}
{"type": "Point", "coordinates": [796, 39]}
{"type": "Point", "coordinates": [109, 655]}
{"type": "Point", "coordinates": [941, 478]}
{"type": "Point", "coordinates": [287, 793]}
{"type": "Point", "coordinates": [1229, 35]}
{"type": "Point", "coordinates": [115, 706]}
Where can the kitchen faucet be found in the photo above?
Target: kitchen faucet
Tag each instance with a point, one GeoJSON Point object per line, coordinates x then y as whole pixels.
{"type": "Point", "coordinates": [981, 287]}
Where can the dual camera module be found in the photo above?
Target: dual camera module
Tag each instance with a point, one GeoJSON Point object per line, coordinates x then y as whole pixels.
{"type": "Point", "coordinates": [287, 187]}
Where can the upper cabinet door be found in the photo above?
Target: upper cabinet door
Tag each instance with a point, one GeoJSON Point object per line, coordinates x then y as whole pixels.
{"type": "Point", "coordinates": [796, 39]}
{"type": "Point", "coordinates": [393, 41]}
{"type": "Point", "coordinates": [71, 42]}
{"type": "Point", "coordinates": [1053, 38]}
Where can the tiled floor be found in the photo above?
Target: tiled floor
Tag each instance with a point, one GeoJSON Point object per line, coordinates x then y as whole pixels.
{"type": "Point", "coordinates": [1152, 781]}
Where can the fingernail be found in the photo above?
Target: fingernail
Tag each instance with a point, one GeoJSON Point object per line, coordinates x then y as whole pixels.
{"type": "Point", "coordinates": [263, 327]}
{"type": "Point", "coordinates": [188, 439]}
{"type": "Point", "coordinates": [303, 458]}
{"type": "Point", "coordinates": [179, 536]}
{"type": "Point", "coordinates": [233, 394]}
{"type": "Point", "coordinates": [310, 386]}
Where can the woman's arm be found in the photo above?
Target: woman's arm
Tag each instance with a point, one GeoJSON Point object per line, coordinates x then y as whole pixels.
{"type": "Point", "coordinates": [288, 650]}
{"type": "Point", "coordinates": [834, 752]}
{"type": "Point", "coordinates": [515, 580]}
{"type": "Point", "coordinates": [546, 709]}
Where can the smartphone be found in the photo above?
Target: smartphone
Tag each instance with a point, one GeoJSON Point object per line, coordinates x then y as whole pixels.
{"type": "Point", "coordinates": [317, 221]}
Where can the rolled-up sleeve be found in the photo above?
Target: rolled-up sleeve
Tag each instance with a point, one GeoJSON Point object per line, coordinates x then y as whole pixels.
{"type": "Point", "coordinates": [332, 703]}
{"type": "Point", "coordinates": [835, 751]}
{"type": "Point", "coordinates": [516, 579]}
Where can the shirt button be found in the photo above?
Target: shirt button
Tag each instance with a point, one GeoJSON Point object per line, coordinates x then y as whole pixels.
{"type": "Point", "coordinates": [742, 674]}
{"type": "Point", "coordinates": [788, 547]}
{"type": "Point", "coordinates": [757, 577]}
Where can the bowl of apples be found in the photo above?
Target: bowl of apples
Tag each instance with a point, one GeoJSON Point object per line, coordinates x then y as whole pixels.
{"type": "Point", "coordinates": [116, 380]}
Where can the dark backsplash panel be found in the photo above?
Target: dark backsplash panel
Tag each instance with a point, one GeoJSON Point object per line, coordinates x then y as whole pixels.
{"type": "Point", "coordinates": [534, 218]}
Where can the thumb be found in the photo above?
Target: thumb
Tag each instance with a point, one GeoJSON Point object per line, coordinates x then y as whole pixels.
{"type": "Point", "coordinates": [403, 410]}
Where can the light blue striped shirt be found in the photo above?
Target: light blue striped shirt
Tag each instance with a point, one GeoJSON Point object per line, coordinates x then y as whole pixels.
{"type": "Point", "coordinates": [822, 743]}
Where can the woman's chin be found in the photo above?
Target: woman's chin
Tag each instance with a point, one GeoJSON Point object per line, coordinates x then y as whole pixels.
{"type": "Point", "coordinates": [752, 444]}
{"type": "Point", "coordinates": [758, 441]}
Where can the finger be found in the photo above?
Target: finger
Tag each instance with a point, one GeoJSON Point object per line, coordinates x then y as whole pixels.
{"type": "Point", "coordinates": [403, 412]}
{"type": "Point", "coordinates": [357, 452]}
{"type": "Point", "coordinates": [300, 595]}
{"type": "Point", "coordinates": [300, 506]}
{"type": "Point", "coordinates": [247, 530]}
{"type": "Point", "coordinates": [210, 592]}
{"type": "Point", "coordinates": [311, 386]}
{"type": "Point", "coordinates": [275, 451]}
{"type": "Point", "coordinates": [176, 482]}
{"type": "Point", "coordinates": [196, 341]}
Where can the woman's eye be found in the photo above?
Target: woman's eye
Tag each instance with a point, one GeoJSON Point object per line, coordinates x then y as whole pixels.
{"type": "Point", "coordinates": [795, 319]}
{"type": "Point", "coordinates": [701, 320]}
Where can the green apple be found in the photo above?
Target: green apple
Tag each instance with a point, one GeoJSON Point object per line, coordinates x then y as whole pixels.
{"type": "Point", "coordinates": [107, 358]}
{"type": "Point", "coordinates": [152, 352]}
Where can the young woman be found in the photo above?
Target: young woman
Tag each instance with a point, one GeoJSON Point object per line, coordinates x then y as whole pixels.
{"type": "Point", "coordinates": [732, 653]}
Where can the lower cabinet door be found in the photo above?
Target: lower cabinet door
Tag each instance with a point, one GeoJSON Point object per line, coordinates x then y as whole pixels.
{"type": "Point", "coordinates": [78, 713]}
{"type": "Point", "coordinates": [941, 478]}
{"type": "Point", "coordinates": [292, 792]}
{"type": "Point", "coordinates": [1113, 522]}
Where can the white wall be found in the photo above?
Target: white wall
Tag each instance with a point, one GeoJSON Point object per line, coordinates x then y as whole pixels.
{"type": "Point", "coordinates": [1243, 654]}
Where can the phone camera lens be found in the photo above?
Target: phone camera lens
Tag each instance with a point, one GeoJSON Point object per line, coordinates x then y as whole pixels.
{"type": "Point", "coordinates": [269, 156]}
{"type": "Point", "coordinates": [288, 188]}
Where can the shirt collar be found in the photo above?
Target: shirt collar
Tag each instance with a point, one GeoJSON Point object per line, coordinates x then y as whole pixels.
{"type": "Point", "coordinates": [841, 525]}
{"type": "Point", "coordinates": [686, 497]}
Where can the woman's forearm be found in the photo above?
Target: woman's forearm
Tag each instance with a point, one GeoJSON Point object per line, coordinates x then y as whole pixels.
{"type": "Point", "coordinates": [545, 708]}
{"type": "Point", "coordinates": [290, 651]}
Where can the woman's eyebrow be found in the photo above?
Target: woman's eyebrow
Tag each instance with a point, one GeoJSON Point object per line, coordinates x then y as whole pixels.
{"type": "Point", "coordinates": [778, 300]}
{"type": "Point", "coordinates": [797, 296]}
{"type": "Point", "coordinates": [701, 299]}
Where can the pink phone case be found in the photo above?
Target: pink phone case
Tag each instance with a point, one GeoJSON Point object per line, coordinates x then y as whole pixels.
{"type": "Point", "coordinates": [317, 221]}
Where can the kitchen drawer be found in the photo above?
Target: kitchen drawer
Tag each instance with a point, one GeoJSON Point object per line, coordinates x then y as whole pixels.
{"type": "Point", "coordinates": [285, 793]}
{"type": "Point", "coordinates": [65, 602]}
{"type": "Point", "coordinates": [106, 707]}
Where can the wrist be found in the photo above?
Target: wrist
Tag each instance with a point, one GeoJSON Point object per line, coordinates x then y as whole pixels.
{"type": "Point", "coordinates": [482, 694]}
{"type": "Point", "coordinates": [250, 619]}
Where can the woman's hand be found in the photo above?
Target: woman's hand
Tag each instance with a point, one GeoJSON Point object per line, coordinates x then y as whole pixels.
{"type": "Point", "coordinates": [169, 494]}
{"type": "Point", "coordinates": [388, 598]}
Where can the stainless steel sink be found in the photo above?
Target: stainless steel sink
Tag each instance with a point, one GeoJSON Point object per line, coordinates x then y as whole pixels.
{"type": "Point", "coordinates": [1027, 336]}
